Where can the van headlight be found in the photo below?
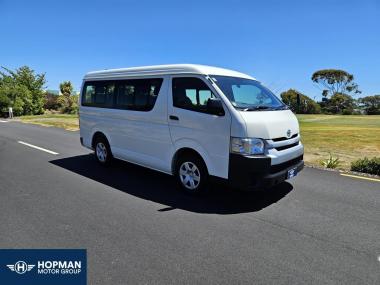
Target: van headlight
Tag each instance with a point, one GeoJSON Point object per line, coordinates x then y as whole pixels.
{"type": "Point", "coordinates": [247, 146]}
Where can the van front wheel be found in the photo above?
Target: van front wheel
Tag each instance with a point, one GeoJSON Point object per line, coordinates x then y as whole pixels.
{"type": "Point", "coordinates": [191, 174]}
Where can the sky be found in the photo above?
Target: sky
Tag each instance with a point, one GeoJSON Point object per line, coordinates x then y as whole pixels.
{"type": "Point", "coordinates": [281, 43]}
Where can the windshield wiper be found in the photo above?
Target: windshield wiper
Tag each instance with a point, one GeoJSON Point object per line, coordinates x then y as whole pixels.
{"type": "Point", "coordinates": [261, 107]}
{"type": "Point", "coordinates": [256, 108]}
{"type": "Point", "coordinates": [284, 107]}
{"type": "Point", "coordinates": [241, 108]}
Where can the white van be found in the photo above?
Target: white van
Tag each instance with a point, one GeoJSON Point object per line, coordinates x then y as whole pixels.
{"type": "Point", "coordinates": [193, 122]}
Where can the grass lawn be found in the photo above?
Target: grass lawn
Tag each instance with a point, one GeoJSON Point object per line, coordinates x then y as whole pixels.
{"type": "Point", "coordinates": [348, 137]}
{"type": "Point", "coordinates": [68, 122]}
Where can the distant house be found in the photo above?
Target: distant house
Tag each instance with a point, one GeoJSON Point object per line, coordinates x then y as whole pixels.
{"type": "Point", "coordinates": [55, 92]}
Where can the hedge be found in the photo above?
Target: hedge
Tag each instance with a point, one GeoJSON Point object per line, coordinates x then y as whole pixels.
{"type": "Point", "coordinates": [367, 165]}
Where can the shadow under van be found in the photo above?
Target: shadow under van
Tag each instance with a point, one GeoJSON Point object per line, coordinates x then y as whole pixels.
{"type": "Point", "coordinates": [161, 188]}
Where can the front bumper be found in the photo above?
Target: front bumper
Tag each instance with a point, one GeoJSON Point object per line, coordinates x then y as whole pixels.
{"type": "Point", "coordinates": [255, 172]}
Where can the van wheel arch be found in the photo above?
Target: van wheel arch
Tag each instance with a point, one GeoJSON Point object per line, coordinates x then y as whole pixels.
{"type": "Point", "coordinates": [97, 135]}
{"type": "Point", "coordinates": [184, 152]}
{"type": "Point", "coordinates": [102, 149]}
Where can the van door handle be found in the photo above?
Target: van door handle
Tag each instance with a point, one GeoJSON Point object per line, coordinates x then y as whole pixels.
{"type": "Point", "coordinates": [175, 118]}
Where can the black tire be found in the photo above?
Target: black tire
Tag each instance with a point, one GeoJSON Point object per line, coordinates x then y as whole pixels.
{"type": "Point", "coordinates": [103, 152]}
{"type": "Point", "coordinates": [186, 175]}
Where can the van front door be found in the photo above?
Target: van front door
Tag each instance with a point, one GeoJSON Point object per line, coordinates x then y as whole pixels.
{"type": "Point", "coordinates": [192, 125]}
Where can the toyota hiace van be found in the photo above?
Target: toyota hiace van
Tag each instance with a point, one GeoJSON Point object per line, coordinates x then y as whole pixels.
{"type": "Point", "coordinates": [192, 122]}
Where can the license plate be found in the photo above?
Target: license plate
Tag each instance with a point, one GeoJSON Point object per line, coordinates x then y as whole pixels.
{"type": "Point", "coordinates": [292, 172]}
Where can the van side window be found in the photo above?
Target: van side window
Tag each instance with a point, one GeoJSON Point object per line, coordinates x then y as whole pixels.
{"type": "Point", "coordinates": [191, 93]}
{"type": "Point", "coordinates": [98, 94]}
{"type": "Point", "coordinates": [104, 94]}
{"type": "Point", "coordinates": [138, 94]}
{"type": "Point", "coordinates": [134, 94]}
{"type": "Point", "coordinates": [88, 94]}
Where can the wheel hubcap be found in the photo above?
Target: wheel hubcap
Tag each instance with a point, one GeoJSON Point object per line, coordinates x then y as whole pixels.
{"type": "Point", "coordinates": [190, 175]}
{"type": "Point", "coordinates": [101, 152]}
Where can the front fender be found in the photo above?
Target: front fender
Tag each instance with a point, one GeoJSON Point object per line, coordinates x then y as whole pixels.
{"type": "Point", "coordinates": [194, 145]}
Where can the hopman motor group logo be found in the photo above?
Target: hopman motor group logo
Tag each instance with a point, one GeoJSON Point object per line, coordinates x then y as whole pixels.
{"type": "Point", "coordinates": [43, 266]}
{"type": "Point", "coordinates": [20, 267]}
{"type": "Point", "coordinates": [48, 267]}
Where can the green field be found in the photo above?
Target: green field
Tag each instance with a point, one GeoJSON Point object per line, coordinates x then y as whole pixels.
{"type": "Point", "coordinates": [348, 137]}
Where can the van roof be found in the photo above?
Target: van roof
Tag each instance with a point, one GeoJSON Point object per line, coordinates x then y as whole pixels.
{"type": "Point", "coordinates": [164, 70]}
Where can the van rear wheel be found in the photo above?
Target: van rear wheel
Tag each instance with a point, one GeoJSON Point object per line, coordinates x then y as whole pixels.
{"type": "Point", "coordinates": [103, 151]}
{"type": "Point", "coordinates": [191, 174]}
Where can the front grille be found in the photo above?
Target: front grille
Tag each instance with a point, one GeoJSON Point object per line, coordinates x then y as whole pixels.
{"type": "Point", "coordinates": [286, 146]}
{"type": "Point", "coordinates": [279, 167]}
{"type": "Point", "coordinates": [284, 138]}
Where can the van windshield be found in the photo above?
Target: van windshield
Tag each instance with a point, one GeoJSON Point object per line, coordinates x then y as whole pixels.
{"type": "Point", "coordinates": [247, 94]}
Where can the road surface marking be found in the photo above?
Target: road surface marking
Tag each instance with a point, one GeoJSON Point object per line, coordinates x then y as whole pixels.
{"type": "Point", "coordinates": [360, 177]}
{"type": "Point", "coordinates": [3, 121]}
{"type": "Point", "coordinates": [39, 148]}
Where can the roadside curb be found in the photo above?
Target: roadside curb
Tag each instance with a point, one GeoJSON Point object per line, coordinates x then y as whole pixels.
{"type": "Point", "coordinates": [344, 171]}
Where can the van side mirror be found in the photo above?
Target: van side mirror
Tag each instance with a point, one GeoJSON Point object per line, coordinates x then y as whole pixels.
{"type": "Point", "coordinates": [215, 106]}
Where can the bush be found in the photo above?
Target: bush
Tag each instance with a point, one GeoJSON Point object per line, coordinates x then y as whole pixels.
{"type": "Point", "coordinates": [347, 112]}
{"type": "Point", "coordinates": [371, 104]}
{"type": "Point", "coordinates": [306, 106]}
{"type": "Point", "coordinates": [331, 162]}
{"type": "Point", "coordinates": [68, 104]}
{"type": "Point", "coordinates": [367, 165]}
{"type": "Point", "coordinates": [339, 104]}
{"type": "Point", "coordinates": [51, 101]}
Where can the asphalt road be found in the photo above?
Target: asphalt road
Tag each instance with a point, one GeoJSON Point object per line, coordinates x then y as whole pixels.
{"type": "Point", "coordinates": [321, 228]}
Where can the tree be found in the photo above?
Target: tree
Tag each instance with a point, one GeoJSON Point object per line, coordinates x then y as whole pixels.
{"type": "Point", "coordinates": [341, 103]}
{"type": "Point", "coordinates": [24, 89]}
{"type": "Point", "coordinates": [306, 106]}
{"type": "Point", "coordinates": [19, 97]}
{"type": "Point", "coordinates": [335, 81]}
{"type": "Point", "coordinates": [66, 88]}
{"type": "Point", "coordinates": [67, 101]}
{"type": "Point", "coordinates": [4, 101]}
{"type": "Point", "coordinates": [371, 104]}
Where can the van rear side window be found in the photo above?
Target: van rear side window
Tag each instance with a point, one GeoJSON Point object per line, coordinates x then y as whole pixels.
{"type": "Point", "coordinates": [139, 94]}
{"type": "Point", "coordinates": [134, 94]}
{"type": "Point", "coordinates": [98, 94]}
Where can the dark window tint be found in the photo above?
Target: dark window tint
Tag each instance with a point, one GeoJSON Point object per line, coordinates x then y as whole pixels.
{"type": "Point", "coordinates": [88, 94]}
{"type": "Point", "coordinates": [136, 94]}
{"type": "Point", "coordinates": [139, 94]}
{"type": "Point", "coordinates": [191, 93]}
{"type": "Point", "coordinates": [98, 94]}
{"type": "Point", "coordinates": [125, 96]}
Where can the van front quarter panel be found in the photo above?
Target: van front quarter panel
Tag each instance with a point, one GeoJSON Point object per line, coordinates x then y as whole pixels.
{"type": "Point", "coordinates": [216, 165]}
